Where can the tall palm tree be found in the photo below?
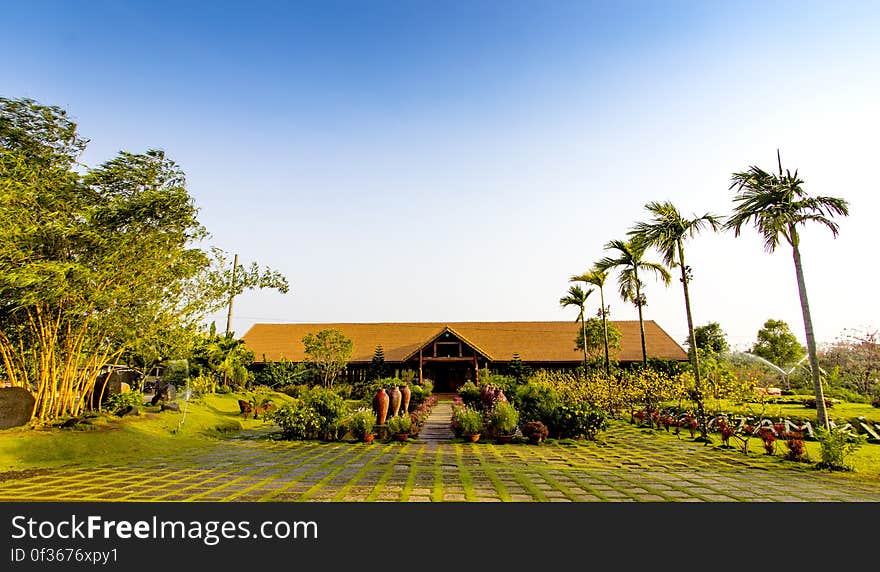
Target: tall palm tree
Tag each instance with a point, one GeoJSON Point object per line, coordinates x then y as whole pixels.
{"type": "Point", "coordinates": [776, 205]}
{"type": "Point", "coordinates": [630, 261]}
{"type": "Point", "coordinates": [578, 297]}
{"type": "Point", "coordinates": [667, 232]}
{"type": "Point", "coordinates": [597, 278]}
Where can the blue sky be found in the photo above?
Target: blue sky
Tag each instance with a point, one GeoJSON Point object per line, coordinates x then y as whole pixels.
{"type": "Point", "coordinates": [430, 161]}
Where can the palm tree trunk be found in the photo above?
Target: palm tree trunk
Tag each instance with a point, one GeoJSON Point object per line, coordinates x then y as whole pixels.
{"type": "Point", "coordinates": [698, 385]}
{"type": "Point", "coordinates": [641, 320]}
{"type": "Point", "coordinates": [821, 413]}
{"type": "Point", "coordinates": [584, 331]}
{"type": "Point", "coordinates": [605, 331]}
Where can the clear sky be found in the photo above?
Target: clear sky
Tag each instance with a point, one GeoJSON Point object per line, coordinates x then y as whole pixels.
{"type": "Point", "coordinates": [459, 160]}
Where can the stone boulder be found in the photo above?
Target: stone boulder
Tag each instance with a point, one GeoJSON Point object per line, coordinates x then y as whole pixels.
{"type": "Point", "coordinates": [164, 392]}
{"type": "Point", "coordinates": [170, 406]}
{"type": "Point", "coordinates": [16, 406]}
{"type": "Point", "coordinates": [111, 383]}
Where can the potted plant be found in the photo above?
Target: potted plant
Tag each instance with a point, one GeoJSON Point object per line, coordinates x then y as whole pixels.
{"type": "Point", "coordinates": [471, 423]}
{"type": "Point", "coordinates": [361, 425]}
{"type": "Point", "coordinates": [503, 421]}
{"type": "Point", "coordinates": [535, 431]}
{"type": "Point", "coordinates": [399, 427]}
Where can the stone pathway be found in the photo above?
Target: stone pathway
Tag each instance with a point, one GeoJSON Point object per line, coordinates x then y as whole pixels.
{"type": "Point", "coordinates": [629, 465]}
{"type": "Point", "coordinates": [437, 428]}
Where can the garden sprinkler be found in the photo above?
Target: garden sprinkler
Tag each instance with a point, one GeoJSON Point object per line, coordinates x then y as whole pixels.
{"type": "Point", "coordinates": [186, 395]}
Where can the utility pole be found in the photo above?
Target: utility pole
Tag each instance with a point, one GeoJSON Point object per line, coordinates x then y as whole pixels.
{"type": "Point", "coordinates": [231, 295]}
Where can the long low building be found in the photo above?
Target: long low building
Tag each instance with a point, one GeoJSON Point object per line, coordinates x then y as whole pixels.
{"type": "Point", "coordinates": [450, 353]}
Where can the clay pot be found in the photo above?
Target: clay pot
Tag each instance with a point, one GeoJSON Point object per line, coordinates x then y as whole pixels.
{"type": "Point", "coordinates": [401, 436]}
{"type": "Point", "coordinates": [396, 397]}
{"type": "Point", "coordinates": [473, 438]}
{"type": "Point", "coordinates": [380, 405]}
{"type": "Point", "coordinates": [368, 438]}
{"type": "Point", "coordinates": [504, 438]}
{"type": "Point", "coordinates": [406, 392]}
{"type": "Point", "coordinates": [499, 396]}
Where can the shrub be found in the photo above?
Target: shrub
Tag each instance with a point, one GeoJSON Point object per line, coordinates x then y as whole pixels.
{"type": "Point", "coordinates": [835, 446]}
{"type": "Point", "coordinates": [297, 421]}
{"type": "Point", "coordinates": [399, 424]}
{"type": "Point", "coordinates": [330, 409]}
{"type": "Point", "coordinates": [295, 391]}
{"type": "Point", "coordinates": [768, 439]}
{"type": "Point", "coordinates": [537, 401]}
{"type": "Point", "coordinates": [503, 419]}
{"type": "Point", "coordinates": [811, 403]}
{"type": "Point", "coordinates": [119, 401]}
{"type": "Point", "coordinates": [470, 394]}
{"type": "Point", "coordinates": [794, 442]}
{"type": "Point", "coordinates": [361, 423]}
{"type": "Point", "coordinates": [469, 421]}
{"type": "Point", "coordinates": [876, 402]}
{"type": "Point", "coordinates": [535, 431]}
{"type": "Point", "coordinates": [578, 420]}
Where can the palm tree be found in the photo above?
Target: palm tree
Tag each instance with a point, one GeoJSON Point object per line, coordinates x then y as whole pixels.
{"type": "Point", "coordinates": [776, 205]}
{"type": "Point", "coordinates": [577, 297]}
{"type": "Point", "coordinates": [630, 261]}
{"type": "Point", "coordinates": [667, 232]}
{"type": "Point", "coordinates": [597, 278]}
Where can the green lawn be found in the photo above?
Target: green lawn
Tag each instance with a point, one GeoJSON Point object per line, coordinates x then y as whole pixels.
{"type": "Point", "coordinates": [841, 412]}
{"type": "Point", "coordinates": [112, 439]}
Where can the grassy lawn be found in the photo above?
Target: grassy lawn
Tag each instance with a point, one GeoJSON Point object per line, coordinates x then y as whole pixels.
{"type": "Point", "coordinates": [110, 439]}
{"type": "Point", "coordinates": [841, 412]}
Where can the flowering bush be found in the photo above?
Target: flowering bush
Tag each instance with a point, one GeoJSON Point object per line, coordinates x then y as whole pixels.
{"type": "Point", "coordinates": [297, 421]}
{"type": "Point", "coordinates": [469, 421]}
{"type": "Point", "coordinates": [503, 419]}
{"type": "Point", "coordinates": [578, 420]}
{"type": "Point", "coordinates": [361, 422]}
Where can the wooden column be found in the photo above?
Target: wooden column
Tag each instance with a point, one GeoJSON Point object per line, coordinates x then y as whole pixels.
{"type": "Point", "coordinates": [420, 366]}
{"type": "Point", "coordinates": [476, 370]}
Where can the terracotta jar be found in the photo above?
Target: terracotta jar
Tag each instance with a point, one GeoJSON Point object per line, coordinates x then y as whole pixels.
{"type": "Point", "coordinates": [406, 393]}
{"type": "Point", "coordinates": [395, 396]}
{"type": "Point", "coordinates": [380, 405]}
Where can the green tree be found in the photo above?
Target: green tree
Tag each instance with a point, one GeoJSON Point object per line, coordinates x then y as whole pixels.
{"type": "Point", "coordinates": [597, 334]}
{"type": "Point", "coordinates": [518, 369]}
{"type": "Point", "coordinates": [777, 344]}
{"type": "Point", "coordinates": [577, 297]}
{"type": "Point", "coordinates": [630, 260]}
{"type": "Point", "coordinates": [377, 369]}
{"type": "Point", "coordinates": [597, 278]}
{"type": "Point", "coordinates": [710, 338]}
{"type": "Point", "coordinates": [327, 352]}
{"type": "Point", "coordinates": [223, 357]}
{"type": "Point", "coordinates": [776, 205]}
{"type": "Point", "coordinates": [95, 263]}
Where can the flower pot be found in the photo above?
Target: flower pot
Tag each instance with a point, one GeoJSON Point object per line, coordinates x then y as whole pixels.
{"type": "Point", "coordinates": [473, 438]}
{"type": "Point", "coordinates": [369, 438]}
{"type": "Point", "coordinates": [406, 392]}
{"type": "Point", "coordinates": [401, 436]}
{"type": "Point", "coordinates": [395, 396]}
{"type": "Point", "coordinates": [504, 438]}
{"type": "Point", "coordinates": [380, 404]}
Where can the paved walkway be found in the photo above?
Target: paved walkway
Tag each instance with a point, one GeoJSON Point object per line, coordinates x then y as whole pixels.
{"type": "Point", "coordinates": [437, 428]}
{"type": "Point", "coordinates": [630, 465]}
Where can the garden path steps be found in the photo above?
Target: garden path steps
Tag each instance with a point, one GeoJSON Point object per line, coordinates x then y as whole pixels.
{"type": "Point", "coordinates": [437, 428]}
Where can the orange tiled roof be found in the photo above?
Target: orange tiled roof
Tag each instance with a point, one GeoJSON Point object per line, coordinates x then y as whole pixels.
{"type": "Point", "coordinates": [533, 341]}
